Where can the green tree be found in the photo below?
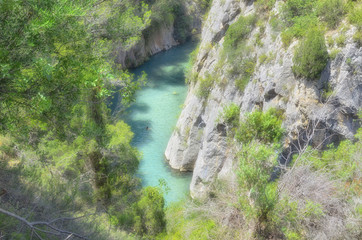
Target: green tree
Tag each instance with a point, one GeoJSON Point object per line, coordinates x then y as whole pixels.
{"type": "Point", "coordinates": [258, 195]}
{"type": "Point", "coordinates": [46, 62]}
{"type": "Point", "coordinates": [149, 215]}
{"type": "Point", "coordinates": [311, 56]}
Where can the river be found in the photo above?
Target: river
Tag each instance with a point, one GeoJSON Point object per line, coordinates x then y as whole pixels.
{"type": "Point", "coordinates": [154, 115]}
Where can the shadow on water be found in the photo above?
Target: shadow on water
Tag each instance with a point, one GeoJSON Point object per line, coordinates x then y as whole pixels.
{"type": "Point", "coordinates": [154, 115]}
{"type": "Point", "coordinates": [140, 107]}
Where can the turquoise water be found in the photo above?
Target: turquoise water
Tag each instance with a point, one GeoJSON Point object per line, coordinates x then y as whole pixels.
{"type": "Point", "coordinates": [157, 107]}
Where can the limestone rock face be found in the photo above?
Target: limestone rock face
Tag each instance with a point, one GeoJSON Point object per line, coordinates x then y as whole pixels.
{"type": "Point", "coordinates": [162, 37]}
{"type": "Point", "coordinates": [157, 41]}
{"type": "Point", "coordinates": [199, 143]}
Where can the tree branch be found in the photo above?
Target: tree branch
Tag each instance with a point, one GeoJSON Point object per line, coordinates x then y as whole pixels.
{"type": "Point", "coordinates": [32, 225]}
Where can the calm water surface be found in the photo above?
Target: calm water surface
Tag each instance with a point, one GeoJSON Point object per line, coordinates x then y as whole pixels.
{"type": "Point", "coordinates": [157, 107]}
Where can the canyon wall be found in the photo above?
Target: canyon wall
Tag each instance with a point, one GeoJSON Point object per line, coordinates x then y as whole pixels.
{"type": "Point", "coordinates": [163, 36]}
{"type": "Point", "coordinates": [200, 143]}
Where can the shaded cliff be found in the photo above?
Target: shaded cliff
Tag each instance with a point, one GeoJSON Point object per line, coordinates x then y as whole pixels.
{"type": "Point", "coordinates": [165, 31]}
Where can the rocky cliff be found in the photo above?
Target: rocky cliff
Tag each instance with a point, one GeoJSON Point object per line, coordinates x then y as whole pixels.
{"type": "Point", "coordinates": [163, 36]}
{"type": "Point", "coordinates": [200, 142]}
{"type": "Point", "coordinates": [159, 39]}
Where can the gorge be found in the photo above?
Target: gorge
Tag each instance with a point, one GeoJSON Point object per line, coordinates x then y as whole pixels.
{"type": "Point", "coordinates": [248, 125]}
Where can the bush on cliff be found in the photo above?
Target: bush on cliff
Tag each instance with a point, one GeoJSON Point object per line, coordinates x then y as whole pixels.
{"type": "Point", "coordinates": [311, 56]}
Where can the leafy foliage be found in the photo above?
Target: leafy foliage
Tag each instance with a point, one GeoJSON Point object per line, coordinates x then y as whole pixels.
{"type": "Point", "coordinates": [293, 9]}
{"type": "Point", "coordinates": [56, 76]}
{"type": "Point", "coordinates": [185, 224]}
{"type": "Point", "coordinates": [231, 114]}
{"type": "Point", "coordinates": [149, 216]}
{"type": "Point", "coordinates": [342, 162]}
{"type": "Point", "coordinates": [311, 56]}
{"type": "Point", "coordinates": [355, 15]}
{"type": "Point", "coordinates": [45, 60]}
{"type": "Point", "coordinates": [331, 11]}
{"type": "Point", "coordinates": [236, 51]}
{"type": "Point", "coordinates": [265, 127]}
{"type": "Point", "coordinates": [236, 34]}
{"type": "Point", "coordinates": [265, 5]}
{"type": "Point", "coordinates": [205, 85]}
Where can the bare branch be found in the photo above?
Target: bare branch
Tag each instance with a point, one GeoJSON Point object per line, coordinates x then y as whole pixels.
{"type": "Point", "coordinates": [32, 225]}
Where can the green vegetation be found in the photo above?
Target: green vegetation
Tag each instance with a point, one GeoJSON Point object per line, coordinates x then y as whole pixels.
{"type": "Point", "coordinates": [265, 127]}
{"type": "Point", "coordinates": [330, 41]}
{"type": "Point", "coordinates": [265, 5]}
{"type": "Point", "coordinates": [296, 8]}
{"type": "Point", "coordinates": [266, 58]}
{"type": "Point", "coordinates": [231, 115]}
{"type": "Point", "coordinates": [334, 53]}
{"type": "Point", "coordinates": [340, 40]}
{"type": "Point", "coordinates": [331, 11]}
{"type": "Point", "coordinates": [319, 186]}
{"type": "Point", "coordinates": [237, 34]}
{"type": "Point", "coordinates": [191, 76]}
{"type": "Point", "coordinates": [237, 53]}
{"type": "Point", "coordinates": [355, 18]}
{"type": "Point", "coordinates": [355, 14]}
{"type": "Point", "coordinates": [170, 12]}
{"type": "Point", "coordinates": [205, 85]}
{"type": "Point", "coordinates": [357, 38]}
{"type": "Point", "coordinates": [60, 151]}
{"type": "Point", "coordinates": [148, 213]}
{"type": "Point", "coordinates": [258, 195]}
{"type": "Point", "coordinates": [63, 158]}
{"type": "Point", "coordinates": [311, 56]}
{"type": "Point", "coordinates": [300, 16]}
{"type": "Point", "coordinates": [244, 72]}
{"type": "Point", "coordinates": [316, 190]}
{"type": "Point", "coordinates": [335, 172]}
{"type": "Point", "coordinates": [340, 162]}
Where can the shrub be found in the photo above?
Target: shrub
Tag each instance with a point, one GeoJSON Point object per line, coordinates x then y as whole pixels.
{"type": "Point", "coordinates": [357, 38]}
{"type": "Point", "coordinates": [299, 28]}
{"type": "Point", "coordinates": [330, 41]}
{"type": "Point", "coordinates": [258, 196]}
{"type": "Point", "coordinates": [191, 76]}
{"type": "Point", "coordinates": [258, 40]}
{"type": "Point", "coordinates": [340, 40]}
{"type": "Point", "coordinates": [237, 52]}
{"type": "Point", "coordinates": [355, 16]}
{"type": "Point", "coordinates": [334, 53]}
{"type": "Point", "coordinates": [287, 38]}
{"type": "Point", "coordinates": [265, 5]}
{"type": "Point", "coordinates": [311, 57]}
{"type": "Point", "coordinates": [266, 58]}
{"type": "Point", "coordinates": [149, 215]}
{"type": "Point", "coordinates": [265, 127]}
{"type": "Point", "coordinates": [275, 23]}
{"type": "Point", "coordinates": [236, 35]}
{"type": "Point", "coordinates": [341, 161]}
{"type": "Point", "coordinates": [263, 58]}
{"type": "Point", "coordinates": [245, 70]}
{"type": "Point", "coordinates": [299, 16]}
{"type": "Point", "coordinates": [231, 114]}
{"type": "Point", "coordinates": [331, 11]}
{"type": "Point", "coordinates": [293, 9]}
{"type": "Point", "coordinates": [205, 86]}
